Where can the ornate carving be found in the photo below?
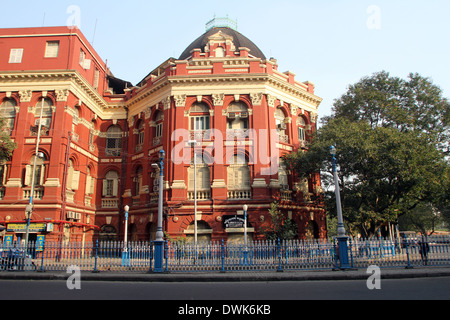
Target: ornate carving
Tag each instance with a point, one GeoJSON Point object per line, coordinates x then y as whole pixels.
{"type": "Point", "coordinates": [62, 95]}
{"type": "Point", "coordinates": [256, 98]}
{"type": "Point", "coordinates": [180, 100]}
{"type": "Point", "coordinates": [166, 103]}
{"type": "Point", "coordinates": [271, 100]}
{"type": "Point", "coordinates": [25, 95]}
{"type": "Point", "coordinates": [218, 99]}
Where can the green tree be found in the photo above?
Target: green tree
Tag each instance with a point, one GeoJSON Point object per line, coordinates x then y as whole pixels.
{"type": "Point", "coordinates": [7, 146]}
{"type": "Point", "coordinates": [280, 226]}
{"type": "Point", "coordinates": [391, 137]}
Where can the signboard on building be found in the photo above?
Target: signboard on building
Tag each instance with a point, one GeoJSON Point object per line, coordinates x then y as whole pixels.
{"type": "Point", "coordinates": [22, 227]}
{"type": "Point", "coordinates": [233, 222]}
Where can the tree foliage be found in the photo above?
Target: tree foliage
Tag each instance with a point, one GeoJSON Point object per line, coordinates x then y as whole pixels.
{"type": "Point", "coordinates": [7, 146]}
{"type": "Point", "coordinates": [280, 227]}
{"type": "Point", "coordinates": [391, 137]}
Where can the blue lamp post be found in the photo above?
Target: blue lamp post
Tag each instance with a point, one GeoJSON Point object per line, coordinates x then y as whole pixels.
{"type": "Point", "coordinates": [245, 235]}
{"type": "Point", "coordinates": [159, 242]}
{"type": "Point", "coordinates": [341, 237]}
{"type": "Point", "coordinates": [125, 239]}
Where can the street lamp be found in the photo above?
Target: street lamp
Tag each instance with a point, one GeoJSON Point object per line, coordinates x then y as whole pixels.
{"type": "Point", "coordinates": [341, 234]}
{"type": "Point", "coordinates": [193, 144]}
{"type": "Point", "coordinates": [159, 242]}
{"type": "Point", "coordinates": [245, 235]}
{"type": "Point", "coordinates": [125, 239]}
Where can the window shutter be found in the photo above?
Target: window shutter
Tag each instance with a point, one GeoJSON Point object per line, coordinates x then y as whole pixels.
{"type": "Point", "coordinates": [42, 174]}
{"type": "Point", "coordinates": [28, 175]}
{"type": "Point", "coordinates": [115, 187]}
{"type": "Point", "coordinates": [105, 188]}
{"type": "Point", "coordinates": [88, 185]}
{"type": "Point", "coordinates": [75, 180]}
{"type": "Point", "coordinates": [52, 49]}
{"type": "Point", "coordinates": [92, 185]}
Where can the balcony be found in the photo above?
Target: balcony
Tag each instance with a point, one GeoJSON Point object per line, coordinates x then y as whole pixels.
{"type": "Point", "coordinates": [110, 203]}
{"type": "Point", "coordinates": [200, 135]}
{"type": "Point", "coordinates": [239, 194]}
{"type": "Point", "coordinates": [239, 134]}
{"type": "Point", "coordinates": [202, 195]}
{"type": "Point", "coordinates": [38, 193]}
{"type": "Point", "coordinates": [157, 141]}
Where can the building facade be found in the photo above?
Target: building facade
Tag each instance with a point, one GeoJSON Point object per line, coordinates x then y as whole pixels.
{"type": "Point", "coordinates": [97, 136]}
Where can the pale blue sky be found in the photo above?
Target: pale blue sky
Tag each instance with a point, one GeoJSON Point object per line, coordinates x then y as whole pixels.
{"type": "Point", "coordinates": [327, 42]}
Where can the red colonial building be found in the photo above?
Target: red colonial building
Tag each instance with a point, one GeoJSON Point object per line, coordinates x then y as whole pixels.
{"type": "Point", "coordinates": [97, 137]}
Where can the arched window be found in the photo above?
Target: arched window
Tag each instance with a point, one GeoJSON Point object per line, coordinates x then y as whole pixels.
{"type": "Point", "coordinates": [280, 122]}
{"type": "Point", "coordinates": [137, 180]}
{"type": "Point", "coordinates": [43, 110]}
{"type": "Point", "coordinates": [90, 183]}
{"type": "Point", "coordinates": [203, 179]}
{"type": "Point", "coordinates": [73, 177]}
{"type": "Point", "coordinates": [140, 136]}
{"type": "Point", "coordinates": [199, 116]}
{"type": "Point", "coordinates": [283, 176]}
{"type": "Point", "coordinates": [159, 126]}
{"type": "Point", "coordinates": [114, 141]}
{"type": "Point", "coordinates": [8, 113]}
{"type": "Point", "coordinates": [237, 114]}
{"type": "Point", "coordinates": [220, 52]}
{"type": "Point", "coordinates": [39, 173]}
{"type": "Point", "coordinates": [301, 124]}
{"type": "Point", "coordinates": [239, 179]}
{"type": "Point", "coordinates": [204, 232]}
{"type": "Point", "coordinates": [111, 185]}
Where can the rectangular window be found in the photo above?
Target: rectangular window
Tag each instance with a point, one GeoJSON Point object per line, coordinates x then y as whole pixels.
{"type": "Point", "coordinates": [159, 130]}
{"type": "Point", "coordinates": [96, 78]}
{"type": "Point", "coordinates": [109, 188]}
{"type": "Point", "coordinates": [200, 123]}
{"type": "Point", "coordinates": [82, 58]}
{"type": "Point", "coordinates": [52, 49]}
{"type": "Point", "coordinates": [301, 134]}
{"type": "Point", "coordinates": [16, 56]}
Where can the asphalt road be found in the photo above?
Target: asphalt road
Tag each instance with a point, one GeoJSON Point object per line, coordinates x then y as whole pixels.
{"type": "Point", "coordinates": [401, 289]}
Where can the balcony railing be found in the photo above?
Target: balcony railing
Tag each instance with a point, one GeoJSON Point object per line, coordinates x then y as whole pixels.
{"type": "Point", "coordinates": [110, 203]}
{"type": "Point", "coordinates": [239, 194]}
{"type": "Point", "coordinates": [237, 133]}
{"type": "Point", "coordinates": [202, 195]}
{"type": "Point", "coordinates": [38, 193]}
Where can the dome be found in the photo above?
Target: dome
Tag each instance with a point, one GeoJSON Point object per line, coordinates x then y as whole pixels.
{"type": "Point", "coordinates": [239, 40]}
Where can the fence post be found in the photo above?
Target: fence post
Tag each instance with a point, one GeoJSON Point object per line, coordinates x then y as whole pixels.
{"type": "Point", "coordinates": [408, 266]}
{"type": "Point", "coordinates": [96, 257]}
{"type": "Point", "coordinates": [166, 255]}
{"type": "Point", "coordinates": [222, 256]}
{"type": "Point", "coordinates": [280, 269]}
{"type": "Point", "coordinates": [351, 252]}
{"type": "Point", "coordinates": [42, 258]}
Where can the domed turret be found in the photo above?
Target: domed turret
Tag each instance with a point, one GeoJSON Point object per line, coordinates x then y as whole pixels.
{"type": "Point", "coordinates": [223, 29]}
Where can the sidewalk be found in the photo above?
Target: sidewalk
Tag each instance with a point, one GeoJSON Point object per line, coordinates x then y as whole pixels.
{"type": "Point", "coordinates": [320, 275]}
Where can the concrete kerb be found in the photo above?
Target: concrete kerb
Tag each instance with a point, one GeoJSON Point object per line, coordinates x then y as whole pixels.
{"type": "Point", "coordinates": [326, 275]}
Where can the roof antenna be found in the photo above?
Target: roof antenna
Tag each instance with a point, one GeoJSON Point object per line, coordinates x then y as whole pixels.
{"type": "Point", "coordinates": [95, 30]}
{"type": "Point", "coordinates": [43, 20]}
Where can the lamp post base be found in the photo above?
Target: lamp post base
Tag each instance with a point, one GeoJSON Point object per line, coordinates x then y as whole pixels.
{"type": "Point", "coordinates": [125, 259]}
{"type": "Point", "coordinates": [343, 253]}
{"type": "Point", "coordinates": [159, 257]}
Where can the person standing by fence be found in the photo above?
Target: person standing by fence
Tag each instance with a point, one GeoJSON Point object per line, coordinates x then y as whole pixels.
{"type": "Point", "coordinates": [424, 248]}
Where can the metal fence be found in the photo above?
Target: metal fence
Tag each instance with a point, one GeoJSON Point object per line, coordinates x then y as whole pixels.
{"type": "Point", "coordinates": [224, 257]}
